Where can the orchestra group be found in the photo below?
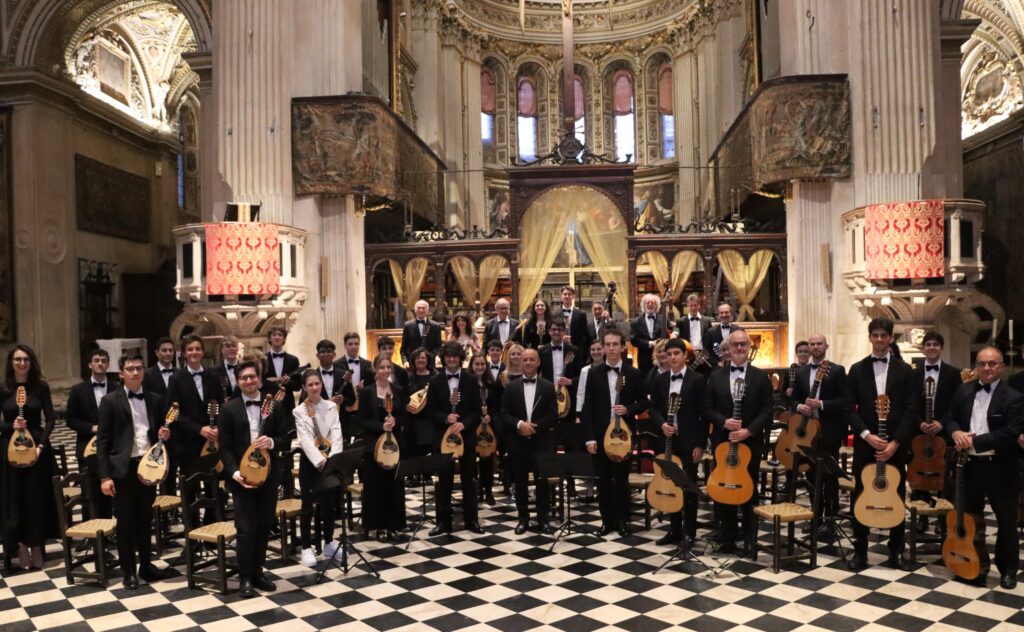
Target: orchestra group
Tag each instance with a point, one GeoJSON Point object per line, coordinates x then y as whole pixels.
{"type": "Point", "coordinates": [559, 380]}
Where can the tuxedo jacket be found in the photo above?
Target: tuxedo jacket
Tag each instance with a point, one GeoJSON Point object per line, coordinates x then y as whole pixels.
{"type": "Point", "coordinates": [755, 408]}
{"type": "Point", "coordinates": [492, 330]}
{"type": "Point", "coordinates": [221, 373]}
{"type": "Point", "coordinates": [598, 400]}
{"type": "Point", "coordinates": [153, 381]}
{"type": "Point", "coordinates": [835, 411]}
{"type": "Point", "coordinates": [545, 415]}
{"type": "Point", "coordinates": [192, 409]}
{"type": "Point", "coordinates": [576, 326]}
{"type": "Point", "coordinates": [570, 370]}
{"type": "Point", "coordinates": [641, 338]}
{"type": "Point", "coordinates": [83, 413]}
{"type": "Point", "coordinates": [593, 333]}
{"type": "Point", "coordinates": [690, 417]}
{"type": "Point", "coordinates": [948, 381]}
{"type": "Point", "coordinates": [1005, 421]}
{"type": "Point", "coordinates": [683, 327]}
{"type": "Point", "coordinates": [713, 342]}
{"type": "Point", "coordinates": [528, 337]}
{"type": "Point", "coordinates": [372, 413]}
{"type": "Point", "coordinates": [468, 408]}
{"type": "Point", "coordinates": [365, 377]}
{"type": "Point", "coordinates": [234, 435]}
{"type": "Point", "coordinates": [115, 436]}
{"type": "Point", "coordinates": [411, 339]}
{"type": "Point", "coordinates": [898, 386]}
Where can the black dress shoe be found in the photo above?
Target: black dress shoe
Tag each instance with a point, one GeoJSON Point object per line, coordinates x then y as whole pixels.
{"type": "Point", "coordinates": [669, 538]}
{"type": "Point", "coordinates": [521, 528]}
{"type": "Point", "coordinates": [245, 590]}
{"type": "Point", "coordinates": [474, 527]}
{"type": "Point", "coordinates": [382, 536]}
{"type": "Point", "coordinates": [897, 562]}
{"type": "Point", "coordinates": [393, 535]}
{"type": "Point", "coordinates": [152, 574]}
{"type": "Point", "coordinates": [605, 530]}
{"type": "Point", "coordinates": [1008, 581]}
{"type": "Point", "coordinates": [131, 582]}
{"type": "Point", "coordinates": [261, 583]}
{"type": "Point", "coordinates": [489, 498]}
{"type": "Point", "coordinates": [623, 530]}
{"type": "Point", "coordinates": [728, 547]}
{"type": "Point", "coordinates": [826, 534]}
{"type": "Point", "coordinates": [544, 526]}
{"type": "Point", "coordinates": [857, 563]}
{"type": "Point", "coordinates": [440, 529]}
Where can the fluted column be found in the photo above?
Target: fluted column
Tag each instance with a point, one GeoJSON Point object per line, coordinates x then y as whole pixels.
{"type": "Point", "coordinates": [344, 306]}
{"type": "Point", "coordinates": [473, 178]}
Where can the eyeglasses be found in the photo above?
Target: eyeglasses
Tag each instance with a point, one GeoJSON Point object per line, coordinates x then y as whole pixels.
{"type": "Point", "coordinates": [137, 368]}
{"type": "Point", "coordinates": [988, 364]}
{"type": "Point", "coordinates": [247, 377]}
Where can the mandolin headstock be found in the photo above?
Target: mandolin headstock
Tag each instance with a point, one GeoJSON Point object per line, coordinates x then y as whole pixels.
{"type": "Point", "coordinates": [172, 414]}
{"type": "Point", "coordinates": [20, 397]}
{"type": "Point", "coordinates": [389, 403]}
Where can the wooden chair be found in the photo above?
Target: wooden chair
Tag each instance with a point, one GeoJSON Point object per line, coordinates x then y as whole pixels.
{"type": "Point", "coordinates": [162, 505]}
{"type": "Point", "coordinates": [219, 533]}
{"type": "Point", "coordinates": [921, 509]}
{"type": "Point", "coordinates": [789, 513]}
{"type": "Point", "coordinates": [638, 482]}
{"type": "Point", "coordinates": [287, 509]}
{"type": "Point", "coordinates": [95, 532]}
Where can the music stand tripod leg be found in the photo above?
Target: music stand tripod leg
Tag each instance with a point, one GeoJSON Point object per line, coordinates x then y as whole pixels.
{"type": "Point", "coordinates": [342, 551]}
{"type": "Point", "coordinates": [424, 519]}
{"type": "Point", "coordinates": [566, 528]}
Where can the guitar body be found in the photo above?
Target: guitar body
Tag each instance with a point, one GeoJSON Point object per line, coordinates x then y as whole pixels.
{"type": "Point", "coordinates": [90, 449]}
{"type": "Point", "coordinates": [564, 401]}
{"type": "Point", "coordinates": [800, 431]}
{"type": "Point", "coordinates": [730, 483]}
{"type": "Point", "coordinates": [153, 466]}
{"type": "Point", "coordinates": [385, 452]}
{"type": "Point", "coordinates": [255, 466]}
{"type": "Point", "coordinates": [927, 469]}
{"type": "Point", "coordinates": [21, 451]}
{"type": "Point", "coordinates": [486, 444]}
{"type": "Point", "coordinates": [879, 506]}
{"type": "Point", "coordinates": [618, 442]}
{"type": "Point", "coordinates": [452, 443]}
{"type": "Point", "coordinates": [962, 552]}
{"type": "Point", "coordinates": [662, 494]}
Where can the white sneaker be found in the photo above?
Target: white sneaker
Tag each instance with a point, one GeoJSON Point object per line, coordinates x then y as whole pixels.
{"type": "Point", "coordinates": [308, 558]}
{"type": "Point", "coordinates": [329, 549]}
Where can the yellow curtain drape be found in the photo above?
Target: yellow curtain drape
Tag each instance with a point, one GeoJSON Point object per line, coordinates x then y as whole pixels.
{"type": "Point", "coordinates": [659, 269]}
{"type": "Point", "coordinates": [543, 230]}
{"type": "Point", "coordinates": [490, 268]}
{"type": "Point", "coordinates": [465, 277]}
{"type": "Point", "coordinates": [683, 265]}
{"type": "Point", "coordinates": [415, 275]}
{"type": "Point", "coordinates": [398, 278]}
{"type": "Point", "coordinates": [603, 235]}
{"type": "Point", "coordinates": [745, 278]}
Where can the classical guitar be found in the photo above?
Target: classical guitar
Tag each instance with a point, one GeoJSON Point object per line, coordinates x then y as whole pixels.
{"type": "Point", "coordinates": [319, 441]}
{"type": "Point", "coordinates": [801, 430]}
{"type": "Point", "coordinates": [879, 506]}
{"type": "Point", "coordinates": [21, 451]}
{"type": "Point", "coordinates": [730, 482]}
{"type": "Point", "coordinates": [927, 469]}
{"type": "Point", "coordinates": [562, 392]}
{"type": "Point", "coordinates": [618, 441]}
{"type": "Point", "coordinates": [255, 464]}
{"type": "Point", "coordinates": [963, 551]}
{"type": "Point", "coordinates": [451, 442]}
{"type": "Point", "coordinates": [211, 448]}
{"type": "Point", "coordinates": [385, 452]}
{"type": "Point", "coordinates": [486, 444]}
{"type": "Point", "coordinates": [662, 494]}
{"type": "Point", "coordinates": [155, 462]}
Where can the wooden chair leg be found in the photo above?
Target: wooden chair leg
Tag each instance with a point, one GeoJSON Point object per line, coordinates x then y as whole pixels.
{"type": "Point", "coordinates": [101, 557]}
{"type": "Point", "coordinates": [190, 564]}
{"type": "Point", "coordinates": [814, 544]}
{"type": "Point", "coordinates": [282, 525]}
{"type": "Point", "coordinates": [777, 552]}
{"type": "Point", "coordinates": [68, 543]}
{"type": "Point", "coordinates": [222, 565]}
{"type": "Point", "coordinates": [913, 535]}
{"type": "Point", "coordinates": [158, 536]}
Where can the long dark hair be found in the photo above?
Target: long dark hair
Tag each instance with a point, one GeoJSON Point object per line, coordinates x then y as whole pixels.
{"type": "Point", "coordinates": [35, 374]}
{"type": "Point", "coordinates": [468, 329]}
{"type": "Point", "coordinates": [485, 378]}
{"type": "Point", "coordinates": [415, 354]}
{"type": "Point", "coordinates": [533, 310]}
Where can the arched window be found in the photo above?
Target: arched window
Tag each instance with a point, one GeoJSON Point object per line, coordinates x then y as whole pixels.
{"type": "Point", "coordinates": [667, 118]}
{"type": "Point", "coordinates": [526, 119]}
{"type": "Point", "coordinates": [488, 105]}
{"type": "Point", "coordinates": [623, 113]}
{"type": "Point", "coordinates": [580, 115]}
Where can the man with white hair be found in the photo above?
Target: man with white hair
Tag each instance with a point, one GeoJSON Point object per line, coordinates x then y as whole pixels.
{"type": "Point", "coordinates": [646, 329]}
{"type": "Point", "coordinates": [421, 332]}
{"type": "Point", "coordinates": [502, 325]}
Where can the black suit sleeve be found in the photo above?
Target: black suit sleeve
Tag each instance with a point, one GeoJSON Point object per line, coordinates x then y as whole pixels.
{"type": "Point", "coordinates": [104, 437]}
{"type": "Point", "coordinates": [546, 414]}
{"type": "Point", "coordinates": [907, 421]}
{"type": "Point", "coordinates": [764, 405]}
{"type": "Point", "coordinates": [712, 404]}
{"type": "Point", "coordinates": [77, 411]}
{"type": "Point", "coordinates": [226, 425]}
{"type": "Point", "coordinates": [854, 383]}
{"type": "Point", "coordinates": [509, 420]}
{"type": "Point", "coordinates": [368, 419]}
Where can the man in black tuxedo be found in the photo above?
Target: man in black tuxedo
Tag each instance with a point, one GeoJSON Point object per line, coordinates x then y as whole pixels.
{"type": "Point", "coordinates": [529, 412]}
{"type": "Point", "coordinates": [560, 365]}
{"type": "Point", "coordinates": [688, 431]}
{"type": "Point", "coordinates": [755, 418]}
{"type": "Point", "coordinates": [241, 425]}
{"type": "Point", "coordinates": [280, 366]}
{"type": "Point", "coordinates": [985, 418]}
{"type": "Point", "coordinates": [399, 376]}
{"type": "Point", "coordinates": [129, 423]}
{"type": "Point", "coordinates": [494, 363]}
{"type": "Point", "coordinates": [83, 417]}
{"type": "Point", "coordinates": [502, 326]}
{"type": "Point", "coordinates": [599, 409]}
{"type": "Point", "coordinates": [465, 418]}
{"type": "Point", "coordinates": [715, 337]}
{"type": "Point", "coordinates": [421, 332]}
{"type": "Point", "coordinates": [158, 375]}
{"type": "Point", "coordinates": [225, 371]}
{"type": "Point", "coordinates": [361, 375]}
{"type": "Point", "coordinates": [802, 350]}
{"type": "Point", "coordinates": [880, 373]}
{"type": "Point", "coordinates": [575, 319]}
{"type": "Point", "coordinates": [694, 325]}
{"type": "Point", "coordinates": [830, 405]}
{"type": "Point", "coordinates": [331, 374]}
{"type": "Point", "coordinates": [599, 322]}
{"type": "Point", "coordinates": [645, 330]}
{"type": "Point", "coordinates": [192, 388]}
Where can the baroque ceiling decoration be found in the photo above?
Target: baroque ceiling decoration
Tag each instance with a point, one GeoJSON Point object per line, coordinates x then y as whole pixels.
{"type": "Point", "coordinates": [991, 69]}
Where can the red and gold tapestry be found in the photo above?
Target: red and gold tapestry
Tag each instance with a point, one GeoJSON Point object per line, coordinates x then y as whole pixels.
{"type": "Point", "coordinates": [904, 240]}
{"type": "Point", "coordinates": [242, 258]}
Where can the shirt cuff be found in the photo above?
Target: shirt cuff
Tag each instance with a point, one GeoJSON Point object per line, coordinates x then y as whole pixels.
{"type": "Point", "coordinates": [271, 444]}
{"type": "Point", "coordinates": [864, 434]}
{"type": "Point", "coordinates": [591, 442]}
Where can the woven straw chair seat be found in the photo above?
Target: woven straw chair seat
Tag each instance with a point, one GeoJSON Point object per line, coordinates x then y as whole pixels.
{"type": "Point", "coordinates": [924, 508]}
{"type": "Point", "coordinates": [72, 492]}
{"type": "Point", "coordinates": [787, 512]}
{"type": "Point", "coordinates": [92, 528]}
{"type": "Point", "coordinates": [847, 484]}
{"type": "Point", "coordinates": [166, 503]}
{"type": "Point", "coordinates": [210, 532]}
{"type": "Point", "coordinates": [355, 489]}
{"type": "Point", "coordinates": [289, 507]}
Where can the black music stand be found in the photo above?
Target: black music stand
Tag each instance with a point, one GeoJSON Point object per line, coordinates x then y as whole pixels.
{"type": "Point", "coordinates": [822, 459]}
{"type": "Point", "coordinates": [340, 467]}
{"type": "Point", "coordinates": [566, 466]}
{"type": "Point", "coordinates": [424, 467]}
{"type": "Point", "coordinates": [683, 481]}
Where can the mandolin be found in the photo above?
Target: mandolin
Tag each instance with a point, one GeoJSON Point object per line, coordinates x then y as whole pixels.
{"type": "Point", "coordinates": [879, 504]}
{"type": "Point", "coordinates": [354, 406]}
{"type": "Point", "coordinates": [255, 464]}
{"type": "Point", "coordinates": [451, 442]}
{"type": "Point", "coordinates": [730, 482]}
{"type": "Point", "coordinates": [417, 402]}
{"type": "Point", "coordinates": [562, 397]}
{"type": "Point", "coordinates": [963, 551]}
{"type": "Point", "coordinates": [486, 444]}
{"type": "Point", "coordinates": [21, 451]}
{"type": "Point", "coordinates": [793, 368]}
{"type": "Point", "coordinates": [801, 431]}
{"type": "Point", "coordinates": [211, 448]}
{"type": "Point", "coordinates": [321, 442]}
{"type": "Point", "coordinates": [618, 441]}
{"type": "Point", "coordinates": [155, 462]}
{"type": "Point", "coordinates": [90, 448]}
{"type": "Point", "coordinates": [662, 494]}
{"type": "Point", "coordinates": [385, 452]}
{"type": "Point", "coordinates": [927, 469]}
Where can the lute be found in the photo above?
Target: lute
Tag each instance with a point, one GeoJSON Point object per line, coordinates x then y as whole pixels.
{"type": "Point", "coordinates": [451, 442]}
{"type": "Point", "coordinates": [927, 469]}
{"type": "Point", "coordinates": [618, 441]}
{"type": "Point", "coordinates": [155, 461]}
{"type": "Point", "coordinates": [486, 444]}
{"type": "Point", "coordinates": [663, 494]}
{"type": "Point", "coordinates": [21, 451]}
{"type": "Point", "coordinates": [879, 505]}
{"type": "Point", "coordinates": [730, 482]}
{"type": "Point", "coordinates": [385, 452]}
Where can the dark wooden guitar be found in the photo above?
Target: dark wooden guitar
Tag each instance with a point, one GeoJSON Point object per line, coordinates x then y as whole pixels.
{"type": "Point", "coordinates": [211, 449]}
{"type": "Point", "coordinates": [451, 442]}
{"type": "Point", "coordinates": [927, 469]}
{"type": "Point", "coordinates": [618, 441]}
{"type": "Point", "coordinates": [255, 464]}
{"type": "Point", "coordinates": [662, 494]}
{"type": "Point", "coordinates": [385, 451]}
{"type": "Point", "coordinates": [879, 506]}
{"type": "Point", "coordinates": [486, 443]}
{"type": "Point", "coordinates": [155, 462]}
{"type": "Point", "coordinates": [801, 430]}
{"type": "Point", "coordinates": [21, 451]}
{"type": "Point", "coordinates": [964, 550]}
{"type": "Point", "coordinates": [730, 482]}
{"type": "Point", "coordinates": [354, 406]}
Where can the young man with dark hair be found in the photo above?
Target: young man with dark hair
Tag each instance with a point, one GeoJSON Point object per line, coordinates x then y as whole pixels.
{"type": "Point", "coordinates": [575, 319]}
{"type": "Point", "coordinates": [159, 375]}
{"type": "Point", "coordinates": [192, 388]}
{"type": "Point", "coordinates": [802, 350]}
{"type": "Point", "coordinates": [361, 375]}
{"type": "Point", "coordinates": [494, 363]}
{"type": "Point", "coordinates": [330, 375]}
{"type": "Point", "coordinates": [279, 366]}
{"type": "Point", "coordinates": [225, 370]}
{"type": "Point", "coordinates": [559, 364]}
{"type": "Point", "coordinates": [83, 417]}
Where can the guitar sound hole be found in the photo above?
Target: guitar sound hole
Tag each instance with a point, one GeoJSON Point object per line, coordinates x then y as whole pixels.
{"type": "Point", "coordinates": [881, 486]}
{"type": "Point", "coordinates": [961, 533]}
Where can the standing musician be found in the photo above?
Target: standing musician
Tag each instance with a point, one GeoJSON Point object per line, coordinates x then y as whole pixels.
{"type": "Point", "coordinates": [332, 385]}
{"type": "Point", "coordinates": [947, 379]}
{"type": "Point", "coordinates": [716, 336]}
{"type": "Point", "coordinates": [159, 375]}
{"type": "Point", "coordinates": [494, 364]}
{"type": "Point", "coordinates": [279, 366]}
{"type": "Point", "coordinates": [413, 333]}
{"type": "Point", "coordinates": [193, 389]}
{"type": "Point", "coordinates": [529, 412]}
{"type": "Point", "coordinates": [313, 461]}
{"type": "Point", "coordinates": [553, 363]}
{"type": "Point", "coordinates": [803, 356]}
{"type": "Point", "coordinates": [660, 364]}
{"type": "Point", "coordinates": [83, 417]}
{"type": "Point", "coordinates": [462, 333]}
{"type": "Point", "coordinates": [575, 319]}
{"type": "Point", "coordinates": [601, 320]}
{"type": "Point", "coordinates": [420, 439]}
{"type": "Point", "coordinates": [502, 326]}
{"type": "Point", "coordinates": [646, 329]}
{"type": "Point", "coordinates": [386, 347]}
{"type": "Point", "coordinates": [689, 435]}
{"type": "Point", "coordinates": [362, 375]}
{"type": "Point", "coordinates": [755, 417]}
{"type": "Point", "coordinates": [877, 374]}
{"type": "Point", "coordinates": [693, 326]}
{"type": "Point", "coordinates": [599, 410]}
{"type": "Point", "coordinates": [533, 333]}
{"type": "Point", "coordinates": [383, 491]}
{"type": "Point", "coordinates": [129, 422]}
{"type": "Point", "coordinates": [225, 371]}
{"type": "Point", "coordinates": [831, 408]}
{"type": "Point", "coordinates": [985, 418]}
{"type": "Point", "coordinates": [465, 417]}
{"type": "Point", "coordinates": [479, 367]}
{"type": "Point", "coordinates": [241, 425]}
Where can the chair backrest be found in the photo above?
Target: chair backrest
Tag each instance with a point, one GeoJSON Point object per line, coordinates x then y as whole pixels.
{"type": "Point", "coordinates": [193, 499]}
{"type": "Point", "coordinates": [62, 460]}
{"type": "Point", "coordinates": [287, 479]}
{"type": "Point", "coordinates": [66, 503]}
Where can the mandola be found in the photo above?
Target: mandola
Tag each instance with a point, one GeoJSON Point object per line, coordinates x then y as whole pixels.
{"type": "Point", "coordinates": [730, 482]}
{"type": "Point", "coordinates": [385, 452]}
{"type": "Point", "coordinates": [451, 442]}
{"type": "Point", "coordinates": [211, 448]}
{"type": "Point", "coordinates": [879, 505]}
{"type": "Point", "coordinates": [486, 444]}
{"type": "Point", "coordinates": [255, 464]}
{"type": "Point", "coordinates": [618, 442]}
{"type": "Point", "coordinates": [662, 494]}
{"type": "Point", "coordinates": [154, 463]}
{"type": "Point", "coordinates": [21, 451]}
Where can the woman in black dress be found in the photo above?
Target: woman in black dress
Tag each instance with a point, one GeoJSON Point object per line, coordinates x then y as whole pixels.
{"type": "Point", "coordinates": [418, 432]}
{"type": "Point", "coordinates": [29, 510]}
{"type": "Point", "coordinates": [491, 392]}
{"type": "Point", "coordinates": [383, 490]}
{"type": "Point", "coordinates": [533, 331]}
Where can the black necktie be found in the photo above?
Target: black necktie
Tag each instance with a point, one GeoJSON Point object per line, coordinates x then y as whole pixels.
{"type": "Point", "coordinates": [613, 368]}
{"type": "Point", "coordinates": [253, 402]}
{"type": "Point", "coordinates": [882, 360]}
{"type": "Point", "coordinates": [99, 385]}
{"type": "Point", "coordinates": [353, 361]}
{"type": "Point", "coordinates": [738, 369]}
{"type": "Point", "coordinates": [677, 376]}
{"type": "Point", "coordinates": [277, 355]}
{"type": "Point", "coordinates": [167, 370]}
{"type": "Point", "coordinates": [327, 371]}
{"type": "Point", "coordinates": [983, 387]}
{"type": "Point", "coordinates": [132, 395]}
{"type": "Point", "coordinates": [931, 367]}
{"type": "Point", "coordinates": [529, 380]}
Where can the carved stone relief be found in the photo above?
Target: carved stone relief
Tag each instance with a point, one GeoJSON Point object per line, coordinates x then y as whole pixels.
{"type": "Point", "coordinates": [992, 91]}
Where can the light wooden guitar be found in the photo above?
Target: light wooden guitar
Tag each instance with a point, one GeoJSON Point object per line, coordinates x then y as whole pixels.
{"type": "Point", "coordinates": [730, 482]}
{"type": "Point", "coordinates": [385, 452]}
{"type": "Point", "coordinates": [211, 449]}
{"type": "Point", "coordinates": [662, 494]}
{"type": "Point", "coordinates": [801, 431]}
{"type": "Point", "coordinates": [155, 462]}
{"type": "Point", "coordinates": [255, 464]}
{"type": "Point", "coordinates": [321, 443]}
{"type": "Point", "coordinates": [21, 451]}
{"type": "Point", "coordinates": [964, 550]}
{"type": "Point", "coordinates": [486, 443]}
{"type": "Point", "coordinates": [927, 469]}
{"type": "Point", "coordinates": [879, 506]}
{"type": "Point", "coordinates": [451, 442]}
{"type": "Point", "coordinates": [618, 441]}
{"type": "Point", "coordinates": [562, 397]}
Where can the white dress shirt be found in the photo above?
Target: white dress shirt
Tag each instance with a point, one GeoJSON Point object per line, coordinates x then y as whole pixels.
{"type": "Point", "coordinates": [356, 370]}
{"type": "Point", "coordinates": [197, 379]}
{"type": "Point", "coordinates": [979, 415]}
{"type": "Point", "coordinates": [166, 376]}
{"type": "Point", "coordinates": [881, 370]}
{"type": "Point", "coordinates": [558, 362]}
{"type": "Point", "coordinates": [503, 330]}
{"type": "Point", "coordinates": [140, 423]}
{"type": "Point", "coordinates": [613, 377]}
{"type": "Point", "coordinates": [98, 393]}
{"type": "Point", "coordinates": [253, 413]}
{"type": "Point", "coordinates": [734, 375]}
{"type": "Point", "coordinates": [581, 388]}
{"type": "Point", "coordinates": [649, 321]}
{"type": "Point", "coordinates": [676, 386]}
{"type": "Point", "coordinates": [278, 363]}
{"type": "Point", "coordinates": [529, 395]}
{"type": "Point", "coordinates": [232, 380]}
{"type": "Point", "coordinates": [327, 380]}
{"type": "Point", "coordinates": [695, 340]}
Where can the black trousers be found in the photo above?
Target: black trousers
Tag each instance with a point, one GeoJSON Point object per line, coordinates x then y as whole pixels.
{"type": "Point", "coordinates": [133, 508]}
{"type": "Point", "coordinates": [523, 463]}
{"type": "Point", "coordinates": [863, 455]}
{"type": "Point", "coordinates": [998, 482]}
{"type": "Point", "coordinates": [312, 499]}
{"type": "Point", "coordinates": [254, 518]}
{"type": "Point", "coordinates": [487, 473]}
{"type": "Point", "coordinates": [829, 483]}
{"type": "Point", "coordinates": [445, 483]}
{"type": "Point", "coordinates": [612, 488]}
{"type": "Point", "coordinates": [103, 505]}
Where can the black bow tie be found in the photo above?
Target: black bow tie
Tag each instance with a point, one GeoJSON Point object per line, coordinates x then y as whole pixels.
{"type": "Point", "coordinates": [677, 376]}
{"type": "Point", "coordinates": [253, 402]}
{"type": "Point", "coordinates": [421, 322]}
{"type": "Point", "coordinates": [738, 369]}
{"type": "Point", "coordinates": [99, 385]}
{"type": "Point", "coordinates": [614, 368]}
{"type": "Point", "coordinates": [529, 380]}
{"type": "Point", "coordinates": [566, 311]}
{"type": "Point", "coordinates": [496, 367]}
{"type": "Point", "coordinates": [453, 376]}
{"type": "Point", "coordinates": [882, 360]}
{"type": "Point", "coordinates": [726, 326]}
{"type": "Point", "coordinates": [931, 367]}
{"type": "Point", "coordinates": [813, 365]}
{"type": "Point", "coordinates": [132, 395]}
{"type": "Point", "coordinates": [196, 373]}
{"type": "Point", "coordinates": [277, 355]}
{"type": "Point", "coordinates": [229, 367]}
{"type": "Point", "coordinates": [554, 348]}
{"type": "Point", "coordinates": [327, 371]}
{"type": "Point", "coordinates": [353, 361]}
{"type": "Point", "coordinates": [502, 322]}
{"type": "Point", "coordinates": [650, 317]}
{"type": "Point", "coordinates": [695, 318]}
{"type": "Point", "coordinates": [167, 370]}
{"type": "Point", "coordinates": [983, 387]}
